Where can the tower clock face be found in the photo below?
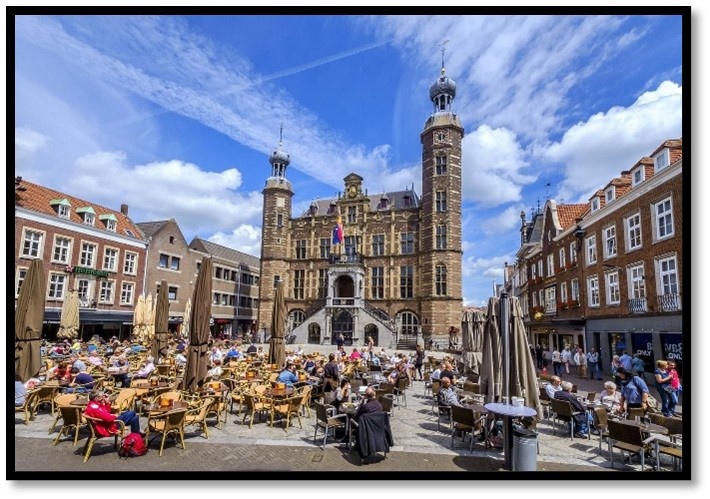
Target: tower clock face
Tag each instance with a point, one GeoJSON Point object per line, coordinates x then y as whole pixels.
{"type": "Point", "coordinates": [352, 191]}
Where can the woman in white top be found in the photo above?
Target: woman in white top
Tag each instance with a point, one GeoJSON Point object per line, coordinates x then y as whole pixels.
{"type": "Point", "coordinates": [610, 396]}
{"type": "Point", "coordinates": [566, 358]}
{"type": "Point", "coordinates": [557, 362]}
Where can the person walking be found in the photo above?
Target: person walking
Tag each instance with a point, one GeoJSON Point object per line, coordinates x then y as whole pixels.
{"type": "Point", "coordinates": [593, 364]}
{"type": "Point", "coordinates": [580, 359]}
{"type": "Point", "coordinates": [557, 362]}
{"type": "Point", "coordinates": [538, 356]}
{"type": "Point", "coordinates": [566, 358]}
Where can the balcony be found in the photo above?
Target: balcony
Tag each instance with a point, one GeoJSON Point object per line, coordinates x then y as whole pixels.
{"type": "Point", "coordinates": [344, 259]}
{"type": "Point", "coordinates": [638, 306]}
{"type": "Point", "coordinates": [669, 302]}
{"type": "Point", "coordinates": [344, 302]}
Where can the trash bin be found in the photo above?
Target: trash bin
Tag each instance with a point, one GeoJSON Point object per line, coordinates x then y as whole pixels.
{"type": "Point", "coordinates": [524, 450]}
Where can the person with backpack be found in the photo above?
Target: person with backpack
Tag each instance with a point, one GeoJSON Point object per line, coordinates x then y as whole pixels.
{"type": "Point", "coordinates": [634, 391]}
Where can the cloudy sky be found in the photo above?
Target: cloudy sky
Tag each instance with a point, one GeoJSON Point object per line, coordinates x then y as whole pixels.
{"type": "Point", "coordinates": [176, 116]}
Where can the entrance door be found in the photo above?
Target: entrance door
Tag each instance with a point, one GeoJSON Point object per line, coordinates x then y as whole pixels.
{"type": "Point", "coordinates": [342, 324]}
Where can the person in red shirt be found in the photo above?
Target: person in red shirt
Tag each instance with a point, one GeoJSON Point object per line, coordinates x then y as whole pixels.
{"type": "Point", "coordinates": [100, 407]}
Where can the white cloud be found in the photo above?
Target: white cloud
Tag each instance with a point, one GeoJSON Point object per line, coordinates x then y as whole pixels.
{"type": "Point", "coordinates": [492, 163]}
{"type": "Point", "coordinates": [245, 238]}
{"type": "Point", "coordinates": [597, 150]}
{"type": "Point", "coordinates": [504, 222]}
{"type": "Point", "coordinates": [27, 143]}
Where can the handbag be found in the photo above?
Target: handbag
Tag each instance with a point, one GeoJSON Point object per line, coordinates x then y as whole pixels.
{"type": "Point", "coordinates": [668, 388]}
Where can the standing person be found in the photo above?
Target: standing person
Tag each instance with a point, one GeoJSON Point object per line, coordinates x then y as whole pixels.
{"type": "Point", "coordinates": [593, 364]}
{"type": "Point", "coordinates": [566, 356]}
{"type": "Point", "coordinates": [419, 362]}
{"type": "Point", "coordinates": [615, 365]}
{"type": "Point", "coordinates": [663, 385]}
{"type": "Point", "coordinates": [625, 360]}
{"type": "Point", "coordinates": [557, 362]}
{"type": "Point", "coordinates": [370, 348]}
{"type": "Point", "coordinates": [538, 356]}
{"type": "Point", "coordinates": [581, 360]}
{"type": "Point", "coordinates": [675, 382]}
{"type": "Point", "coordinates": [634, 391]}
{"type": "Point", "coordinates": [340, 341]}
{"type": "Point", "coordinates": [331, 373]}
{"type": "Point", "coordinates": [638, 365]}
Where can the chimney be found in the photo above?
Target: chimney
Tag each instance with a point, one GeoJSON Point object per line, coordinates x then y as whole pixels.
{"type": "Point", "coordinates": [124, 209]}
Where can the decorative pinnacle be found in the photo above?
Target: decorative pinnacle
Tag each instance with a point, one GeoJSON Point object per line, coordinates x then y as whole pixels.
{"type": "Point", "coordinates": [281, 134]}
{"type": "Point", "coordinates": [443, 50]}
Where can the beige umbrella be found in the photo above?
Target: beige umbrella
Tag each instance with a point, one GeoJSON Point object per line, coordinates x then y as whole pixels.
{"type": "Point", "coordinates": [197, 354]}
{"type": "Point", "coordinates": [148, 318]}
{"type": "Point", "coordinates": [29, 316]}
{"type": "Point", "coordinates": [138, 317]}
{"type": "Point", "coordinates": [186, 318]}
{"type": "Point", "coordinates": [159, 345]}
{"type": "Point", "coordinates": [491, 379]}
{"type": "Point", "coordinates": [277, 353]}
{"type": "Point", "coordinates": [69, 320]}
{"type": "Point", "coordinates": [523, 377]}
{"type": "Point", "coordinates": [472, 322]}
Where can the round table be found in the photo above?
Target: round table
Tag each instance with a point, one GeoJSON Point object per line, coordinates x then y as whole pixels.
{"type": "Point", "coordinates": [509, 412]}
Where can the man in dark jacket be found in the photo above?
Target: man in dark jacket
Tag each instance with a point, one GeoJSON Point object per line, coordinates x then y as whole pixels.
{"type": "Point", "coordinates": [331, 373]}
{"type": "Point", "coordinates": [371, 404]}
{"type": "Point", "coordinates": [580, 420]}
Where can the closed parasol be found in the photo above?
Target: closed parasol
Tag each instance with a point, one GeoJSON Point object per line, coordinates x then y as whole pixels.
{"type": "Point", "coordinates": [69, 320]}
{"type": "Point", "coordinates": [148, 318]}
{"type": "Point", "coordinates": [29, 314]}
{"type": "Point", "coordinates": [491, 379]}
{"type": "Point", "coordinates": [197, 357]}
{"type": "Point", "coordinates": [277, 352]}
{"type": "Point", "coordinates": [138, 323]}
{"type": "Point", "coordinates": [159, 344]}
{"type": "Point", "coordinates": [185, 331]}
{"type": "Point", "coordinates": [472, 322]}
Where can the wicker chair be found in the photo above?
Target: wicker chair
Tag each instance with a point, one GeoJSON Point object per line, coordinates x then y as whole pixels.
{"type": "Point", "coordinates": [198, 415]}
{"type": "Point", "coordinates": [72, 420]}
{"type": "Point", "coordinates": [63, 399]}
{"type": "Point", "coordinates": [94, 436]}
{"type": "Point", "coordinates": [170, 423]}
{"type": "Point", "coordinates": [254, 404]}
{"type": "Point", "coordinates": [286, 408]}
{"type": "Point", "coordinates": [28, 408]}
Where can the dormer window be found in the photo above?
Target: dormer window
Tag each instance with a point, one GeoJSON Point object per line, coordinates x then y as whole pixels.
{"type": "Point", "coordinates": [595, 204]}
{"type": "Point", "coordinates": [610, 194]}
{"type": "Point", "coordinates": [661, 160]}
{"type": "Point", "coordinates": [313, 209]}
{"type": "Point", "coordinates": [109, 221]}
{"type": "Point", "coordinates": [384, 203]}
{"type": "Point", "coordinates": [637, 177]}
{"type": "Point", "coordinates": [63, 207]}
{"type": "Point", "coordinates": [407, 200]}
{"type": "Point", "coordinates": [331, 208]}
{"type": "Point", "coordinates": [87, 215]}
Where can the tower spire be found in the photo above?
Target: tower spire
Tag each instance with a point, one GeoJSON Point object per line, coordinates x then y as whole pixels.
{"type": "Point", "coordinates": [443, 50]}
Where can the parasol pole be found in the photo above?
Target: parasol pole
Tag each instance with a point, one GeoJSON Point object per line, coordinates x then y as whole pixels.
{"type": "Point", "coordinates": [505, 332]}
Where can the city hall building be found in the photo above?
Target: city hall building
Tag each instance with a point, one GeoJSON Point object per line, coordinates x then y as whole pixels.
{"type": "Point", "coordinates": [386, 265]}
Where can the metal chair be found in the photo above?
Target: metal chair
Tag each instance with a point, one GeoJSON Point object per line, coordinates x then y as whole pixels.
{"type": "Point", "coordinates": [627, 438]}
{"type": "Point", "coordinates": [465, 421]}
{"type": "Point", "coordinates": [327, 423]}
{"type": "Point", "coordinates": [562, 411]}
{"type": "Point", "coordinates": [601, 423]}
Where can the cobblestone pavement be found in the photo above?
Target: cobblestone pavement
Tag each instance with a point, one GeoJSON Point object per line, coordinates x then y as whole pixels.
{"type": "Point", "coordinates": [419, 446]}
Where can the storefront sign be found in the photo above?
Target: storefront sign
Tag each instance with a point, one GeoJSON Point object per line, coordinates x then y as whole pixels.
{"type": "Point", "coordinates": [643, 346]}
{"type": "Point", "coordinates": [673, 346]}
{"type": "Point", "coordinates": [88, 271]}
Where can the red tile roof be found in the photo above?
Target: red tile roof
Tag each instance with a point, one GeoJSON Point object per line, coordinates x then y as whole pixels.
{"type": "Point", "coordinates": [37, 198]}
{"type": "Point", "coordinates": [569, 213]}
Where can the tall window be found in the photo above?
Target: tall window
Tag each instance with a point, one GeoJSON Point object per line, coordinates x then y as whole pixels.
{"type": "Point", "coordinates": [406, 281]}
{"type": "Point", "coordinates": [32, 243]}
{"type": "Point", "coordinates": [637, 285]}
{"type": "Point", "coordinates": [574, 289]}
{"type": "Point", "coordinates": [106, 291]}
{"type": "Point", "coordinates": [63, 211]}
{"type": "Point", "coordinates": [378, 245]}
{"type": "Point", "coordinates": [406, 243]}
{"type": "Point", "coordinates": [21, 273]}
{"type": "Point", "coordinates": [322, 282]}
{"type": "Point", "coordinates": [57, 283]}
{"type": "Point", "coordinates": [351, 245]}
{"type": "Point", "coordinates": [573, 251]}
{"type": "Point", "coordinates": [62, 248]}
{"type": "Point", "coordinates": [83, 287]}
{"type": "Point", "coordinates": [110, 259]}
{"type": "Point", "coordinates": [175, 263]}
{"type": "Point", "coordinates": [173, 291]}
{"type": "Point", "coordinates": [301, 249]}
{"type": "Point", "coordinates": [609, 241]}
{"type": "Point", "coordinates": [130, 261]}
{"type": "Point", "coordinates": [563, 292]}
{"type": "Point", "coordinates": [299, 280]}
{"type": "Point", "coordinates": [410, 323]}
{"type": "Point", "coordinates": [550, 299]}
{"type": "Point", "coordinates": [613, 296]}
{"type": "Point", "coordinates": [127, 293]}
{"type": "Point", "coordinates": [591, 250]}
{"type": "Point", "coordinates": [633, 232]}
{"type": "Point", "coordinates": [441, 237]}
{"type": "Point", "coordinates": [279, 220]}
{"type": "Point", "coordinates": [668, 276]}
{"type": "Point", "coordinates": [663, 219]}
{"type": "Point", "coordinates": [563, 261]}
{"type": "Point", "coordinates": [539, 268]}
{"type": "Point", "coordinates": [377, 284]}
{"type": "Point", "coordinates": [533, 272]}
{"type": "Point", "coordinates": [441, 165]}
{"type": "Point", "coordinates": [550, 264]}
{"type": "Point", "coordinates": [352, 214]}
{"type": "Point", "coordinates": [324, 247]}
{"type": "Point", "coordinates": [661, 160]}
{"type": "Point", "coordinates": [440, 280]}
{"type": "Point", "coordinates": [163, 261]}
{"type": "Point", "coordinates": [88, 255]}
{"type": "Point", "coordinates": [638, 177]}
{"type": "Point", "coordinates": [593, 291]}
{"type": "Point", "coordinates": [440, 201]}
{"type": "Point", "coordinates": [297, 318]}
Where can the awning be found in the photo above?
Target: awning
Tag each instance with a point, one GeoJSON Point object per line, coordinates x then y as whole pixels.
{"type": "Point", "coordinates": [92, 316]}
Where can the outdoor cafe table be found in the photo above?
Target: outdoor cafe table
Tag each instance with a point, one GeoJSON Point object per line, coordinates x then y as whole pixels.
{"type": "Point", "coordinates": [509, 412]}
{"type": "Point", "coordinates": [84, 401]}
{"type": "Point", "coordinates": [158, 409]}
{"type": "Point", "coordinates": [279, 393]}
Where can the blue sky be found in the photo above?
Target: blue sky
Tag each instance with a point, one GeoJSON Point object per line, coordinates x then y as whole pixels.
{"type": "Point", "coordinates": [175, 116]}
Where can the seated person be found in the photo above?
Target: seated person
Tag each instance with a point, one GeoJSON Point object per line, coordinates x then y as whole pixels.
{"type": "Point", "coordinates": [342, 393]}
{"type": "Point", "coordinates": [20, 391]}
{"type": "Point", "coordinates": [260, 354]}
{"type": "Point", "coordinates": [610, 396]}
{"type": "Point", "coordinates": [252, 348]}
{"type": "Point", "coordinates": [95, 359]}
{"type": "Point", "coordinates": [369, 403]}
{"type": "Point", "coordinates": [436, 374]}
{"type": "Point", "coordinates": [288, 375]}
{"type": "Point", "coordinates": [62, 372]}
{"type": "Point", "coordinates": [580, 420]}
{"type": "Point", "coordinates": [448, 372]}
{"type": "Point", "coordinates": [120, 372]}
{"type": "Point", "coordinates": [216, 369]}
{"type": "Point", "coordinates": [147, 369]}
{"type": "Point", "coordinates": [100, 407]}
{"type": "Point", "coordinates": [180, 359]}
{"type": "Point", "coordinates": [299, 350]}
{"type": "Point", "coordinates": [310, 363]}
{"type": "Point", "coordinates": [233, 353]}
{"type": "Point", "coordinates": [553, 386]}
{"type": "Point", "coordinates": [447, 394]}
{"type": "Point", "coordinates": [83, 382]}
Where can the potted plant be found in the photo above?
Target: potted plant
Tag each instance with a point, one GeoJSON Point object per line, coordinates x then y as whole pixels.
{"type": "Point", "coordinates": [562, 305]}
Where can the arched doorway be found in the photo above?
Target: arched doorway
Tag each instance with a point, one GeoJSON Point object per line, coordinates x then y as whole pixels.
{"type": "Point", "coordinates": [372, 331]}
{"type": "Point", "coordinates": [314, 333]}
{"type": "Point", "coordinates": [342, 324]}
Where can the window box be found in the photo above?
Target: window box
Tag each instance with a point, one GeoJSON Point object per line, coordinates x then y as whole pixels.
{"type": "Point", "coordinates": [562, 305]}
{"type": "Point", "coordinates": [573, 303]}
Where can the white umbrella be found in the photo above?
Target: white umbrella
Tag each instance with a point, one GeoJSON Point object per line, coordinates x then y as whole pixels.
{"type": "Point", "coordinates": [149, 318]}
{"type": "Point", "coordinates": [186, 318]}
{"type": "Point", "coordinates": [138, 323]}
{"type": "Point", "coordinates": [69, 320]}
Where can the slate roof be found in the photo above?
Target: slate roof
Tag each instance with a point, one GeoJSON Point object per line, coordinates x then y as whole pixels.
{"type": "Point", "coordinates": [225, 253]}
{"type": "Point", "coordinates": [397, 201]}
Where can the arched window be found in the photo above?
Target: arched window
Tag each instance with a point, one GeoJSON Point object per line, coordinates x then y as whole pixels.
{"type": "Point", "coordinates": [410, 323]}
{"type": "Point", "coordinates": [297, 317]}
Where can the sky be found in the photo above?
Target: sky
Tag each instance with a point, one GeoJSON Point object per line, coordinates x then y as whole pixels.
{"type": "Point", "coordinates": [176, 115]}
